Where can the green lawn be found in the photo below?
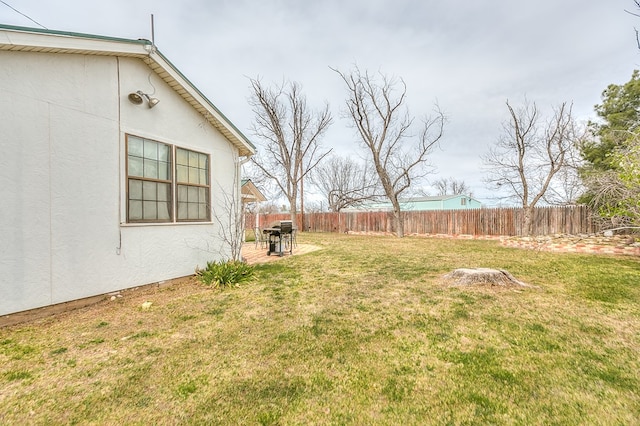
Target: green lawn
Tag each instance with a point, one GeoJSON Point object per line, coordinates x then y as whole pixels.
{"type": "Point", "coordinates": [361, 332]}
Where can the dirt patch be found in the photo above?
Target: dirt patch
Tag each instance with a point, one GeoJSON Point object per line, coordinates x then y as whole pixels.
{"type": "Point", "coordinates": [136, 294]}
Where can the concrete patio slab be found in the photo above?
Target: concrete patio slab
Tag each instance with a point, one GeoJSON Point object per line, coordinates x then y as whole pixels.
{"type": "Point", "coordinates": [253, 255]}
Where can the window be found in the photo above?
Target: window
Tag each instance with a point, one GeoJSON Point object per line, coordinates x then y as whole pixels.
{"type": "Point", "coordinates": [463, 201]}
{"type": "Point", "coordinates": [152, 183]}
{"type": "Point", "coordinates": [192, 170]}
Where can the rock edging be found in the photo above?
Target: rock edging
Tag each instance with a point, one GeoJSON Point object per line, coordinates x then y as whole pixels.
{"type": "Point", "coordinates": [617, 245]}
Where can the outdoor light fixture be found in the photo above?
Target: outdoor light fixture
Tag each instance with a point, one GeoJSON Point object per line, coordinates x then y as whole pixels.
{"type": "Point", "coordinates": [152, 102]}
{"type": "Point", "coordinates": [138, 97]}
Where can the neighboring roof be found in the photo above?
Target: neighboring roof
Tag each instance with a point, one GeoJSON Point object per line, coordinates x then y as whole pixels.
{"type": "Point", "coordinates": [423, 199]}
{"type": "Point", "coordinates": [251, 193]}
{"type": "Point", "coordinates": [24, 39]}
{"type": "Point", "coordinates": [386, 205]}
{"type": "Point", "coordinates": [432, 198]}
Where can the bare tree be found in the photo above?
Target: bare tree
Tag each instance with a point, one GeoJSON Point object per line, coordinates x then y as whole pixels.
{"type": "Point", "coordinates": [530, 154]}
{"type": "Point", "coordinates": [607, 196]}
{"type": "Point", "coordinates": [290, 134]}
{"type": "Point", "coordinates": [451, 186]}
{"type": "Point", "coordinates": [229, 216]}
{"type": "Point", "coordinates": [637, 3]}
{"type": "Point", "coordinates": [379, 113]}
{"type": "Point", "coordinates": [345, 182]}
{"type": "Point", "coordinates": [568, 186]}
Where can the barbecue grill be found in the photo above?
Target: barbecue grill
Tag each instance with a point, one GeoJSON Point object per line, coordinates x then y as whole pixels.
{"type": "Point", "coordinates": [279, 235]}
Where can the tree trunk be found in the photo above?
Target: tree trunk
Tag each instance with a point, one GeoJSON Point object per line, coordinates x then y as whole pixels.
{"type": "Point", "coordinates": [527, 227]}
{"type": "Point", "coordinates": [302, 224]}
{"type": "Point", "coordinates": [399, 220]}
{"type": "Point", "coordinates": [397, 216]}
{"type": "Point", "coordinates": [293, 209]}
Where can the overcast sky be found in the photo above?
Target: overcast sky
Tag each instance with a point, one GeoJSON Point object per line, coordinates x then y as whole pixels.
{"type": "Point", "coordinates": [468, 56]}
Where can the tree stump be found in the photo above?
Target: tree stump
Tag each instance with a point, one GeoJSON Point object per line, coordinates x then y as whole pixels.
{"type": "Point", "coordinates": [486, 276]}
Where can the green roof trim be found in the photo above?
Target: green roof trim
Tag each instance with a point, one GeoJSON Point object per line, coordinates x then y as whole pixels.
{"type": "Point", "coordinates": [73, 34]}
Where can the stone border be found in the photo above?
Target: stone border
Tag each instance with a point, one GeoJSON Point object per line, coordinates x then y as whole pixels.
{"type": "Point", "coordinates": [616, 245]}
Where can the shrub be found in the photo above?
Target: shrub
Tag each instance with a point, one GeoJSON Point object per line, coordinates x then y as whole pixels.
{"type": "Point", "coordinates": [225, 274]}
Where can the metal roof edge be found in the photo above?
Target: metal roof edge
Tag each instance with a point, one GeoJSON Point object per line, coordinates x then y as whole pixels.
{"type": "Point", "coordinates": [436, 198]}
{"type": "Point", "coordinates": [73, 34]}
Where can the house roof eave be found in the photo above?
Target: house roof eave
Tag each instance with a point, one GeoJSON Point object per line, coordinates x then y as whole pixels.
{"type": "Point", "coordinates": [251, 192]}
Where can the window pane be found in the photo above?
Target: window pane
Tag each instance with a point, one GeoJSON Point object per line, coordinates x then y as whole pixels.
{"type": "Point", "coordinates": [193, 175]}
{"type": "Point", "coordinates": [192, 210]}
{"type": "Point", "coordinates": [163, 171]}
{"type": "Point", "coordinates": [183, 174]}
{"type": "Point", "coordinates": [182, 157]}
{"type": "Point", "coordinates": [182, 211]}
{"type": "Point", "coordinates": [149, 210]}
{"type": "Point", "coordinates": [134, 146]}
{"type": "Point", "coordinates": [202, 211]}
{"type": "Point", "coordinates": [135, 210]}
{"type": "Point", "coordinates": [163, 211]}
{"type": "Point", "coordinates": [150, 169]}
{"type": "Point", "coordinates": [193, 194]}
{"type": "Point", "coordinates": [135, 189]}
{"type": "Point", "coordinates": [164, 192]}
{"type": "Point", "coordinates": [203, 178]}
{"type": "Point", "coordinates": [203, 161]}
{"type": "Point", "coordinates": [182, 193]}
{"type": "Point", "coordinates": [135, 166]}
{"type": "Point", "coordinates": [193, 159]}
{"type": "Point", "coordinates": [202, 195]}
{"type": "Point", "coordinates": [149, 191]}
{"type": "Point", "coordinates": [164, 152]}
{"type": "Point", "coordinates": [150, 150]}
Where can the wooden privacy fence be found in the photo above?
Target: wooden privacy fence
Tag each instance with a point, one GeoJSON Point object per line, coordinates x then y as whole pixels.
{"type": "Point", "coordinates": [499, 221]}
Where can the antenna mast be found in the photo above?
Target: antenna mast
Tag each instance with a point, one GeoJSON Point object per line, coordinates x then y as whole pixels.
{"type": "Point", "coordinates": [153, 36]}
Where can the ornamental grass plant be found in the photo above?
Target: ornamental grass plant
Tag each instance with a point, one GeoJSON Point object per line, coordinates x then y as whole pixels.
{"type": "Point", "coordinates": [225, 273]}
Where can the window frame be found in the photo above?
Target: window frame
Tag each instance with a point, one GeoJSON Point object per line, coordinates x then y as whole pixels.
{"type": "Point", "coordinates": [188, 184]}
{"type": "Point", "coordinates": [173, 198]}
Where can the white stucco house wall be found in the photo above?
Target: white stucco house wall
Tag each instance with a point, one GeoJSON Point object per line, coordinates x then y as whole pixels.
{"type": "Point", "coordinates": [102, 191]}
